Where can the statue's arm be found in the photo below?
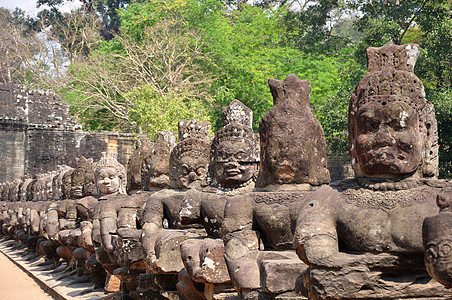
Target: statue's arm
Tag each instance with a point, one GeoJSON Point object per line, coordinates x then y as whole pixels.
{"type": "Point", "coordinates": [52, 224]}
{"type": "Point", "coordinates": [190, 212]}
{"type": "Point", "coordinates": [107, 223]}
{"type": "Point", "coordinates": [317, 244]}
{"type": "Point", "coordinates": [152, 224]}
{"type": "Point", "coordinates": [241, 242]}
{"type": "Point", "coordinates": [34, 221]}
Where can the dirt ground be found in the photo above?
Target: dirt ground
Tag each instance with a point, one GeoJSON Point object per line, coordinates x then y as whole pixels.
{"type": "Point", "coordinates": [16, 284]}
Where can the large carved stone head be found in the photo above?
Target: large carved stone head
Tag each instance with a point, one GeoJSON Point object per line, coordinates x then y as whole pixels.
{"type": "Point", "coordinates": [392, 127]}
{"type": "Point", "coordinates": [135, 167]}
{"type": "Point", "coordinates": [57, 182]}
{"type": "Point", "coordinates": [5, 191]}
{"type": "Point", "coordinates": [38, 188]}
{"type": "Point", "coordinates": [14, 190]}
{"type": "Point", "coordinates": [234, 156]}
{"type": "Point", "coordinates": [189, 159]}
{"type": "Point", "coordinates": [293, 148]}
{"type": "Point", "coordinates": [82, 178]}
{"type": "Point", "coordinates": [110, 175]}
{"type": "Point", "coordinates": [156, 164]}
{"type": "Point", "coordinates": [25, 181]}
{"type": "Point", "coordinates": [66, 184]}
{"type": "Point", "coordinates": [48, 192]}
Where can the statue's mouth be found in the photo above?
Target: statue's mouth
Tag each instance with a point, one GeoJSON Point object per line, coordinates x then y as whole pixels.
{"type": "Point", "coordinates": [233, 172]}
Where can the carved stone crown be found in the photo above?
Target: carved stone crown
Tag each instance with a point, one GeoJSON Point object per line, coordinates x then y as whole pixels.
{"type": "Point", "coordinates": [191, 147]}
{"type": "Point", "coordinates": [237, 112]}
{"type": "Point", "coordinates": [237, 122]}
{"type": "Point", "coordinates": [82, 162]}
{"type": "Point", "coordinates": [291, 89]}
{"type": "Point", "coordinates": [165, 142]}
{"type": "Point", "coordinates": [193, 141]}
{"type": "Point", "coordinates": [400, 57]}
{"type": "Point", "coordinates": [390, 77]}
{"type": "Point", "coordinates": [109, 160]}
{"type": "Point", "coordinates": [193, 129]}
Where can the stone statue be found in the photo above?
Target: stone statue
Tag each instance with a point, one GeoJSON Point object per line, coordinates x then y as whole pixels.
{"type": "Point", "coordinates": [2, 188]}
{"type": "Point", "coordinates": [26, 180]}
{"type": "Point", "coordinates": [38, 187]}
{"type": "Point", "coordinates": [233, 169]}
{"type": "Point", "coordinates": [258, 227]}
{"type": "Point", "coordinates": [136, 168]}
{"type": "Point", "coordinates": [437, 237]}
{"type": "Point", "coordinates": [111, 182]}
{"type": "Point", "coordinates": [66, 184]}
{"type": "Point", "coordinates": [57, 182]}
{"type": "Point", "coordinates": [188, 163]}
{"type": "Point", "coordinates": [82, 178]}
{"type": "Point", "coordinates": [14, 191]}
{"type": "Point", "coordinates": [127, 249]}
{"type": "Point", "coordinates": [362, 237]}
{"type": "Point", "coordinates": [156, 164]}
{"type": "Point", "coordinates": [278, 163]}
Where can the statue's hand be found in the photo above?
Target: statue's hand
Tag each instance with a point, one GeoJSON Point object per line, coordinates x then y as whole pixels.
{"type": "Point", "coordinates": [107, 242]}
{"type": "Point", "coordinates": [150, 259]}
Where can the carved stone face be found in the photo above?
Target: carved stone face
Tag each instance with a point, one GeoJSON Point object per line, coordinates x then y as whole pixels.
{"type": "Point", "coordinates": [229, 166]}
{"type": "Point", "coordinates": [66, 184]}
{"type": "Point", "coordinates": [77, 181]}
{"type": "Point", "coordinates": [48, 190]}
{"type": "Point", "coordinates": [89, 186]}
{"type": "Point", "coordinates": [437, 236]}
{"type": "Point", "coordinates": [388, 140]}
{"type": "Point", "coordinates": [108, 181]}
{"type": "Point", "coordinates": [158, 180]}
{"type": "Point", "coordinates": [191, 171]}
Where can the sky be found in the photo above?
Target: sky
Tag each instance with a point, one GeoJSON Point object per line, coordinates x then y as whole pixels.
{"type": "Point", "coordinates": [29, 6]}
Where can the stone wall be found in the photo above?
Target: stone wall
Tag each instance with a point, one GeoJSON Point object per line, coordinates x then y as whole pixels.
{"type": "Point", "coordinates": [12, 150]}
{"type": "Point", "coordinates": [37, 134]}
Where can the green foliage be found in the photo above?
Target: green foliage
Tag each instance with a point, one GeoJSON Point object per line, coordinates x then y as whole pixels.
{"type": "Point", "coordinates": [442, 100]}
{"type": "Point", "coordinates": [332, 111]}
{"type": "Point", "coordinates": [246, 50]}
{"type": "Point", "coordinates": [160, 65]}
{"type": "Point", "coordinates": [154, 113]}
{"type": "Point", "coordinates": [307, 26]}
{"type": "Point", "coordinates": [249, 46]}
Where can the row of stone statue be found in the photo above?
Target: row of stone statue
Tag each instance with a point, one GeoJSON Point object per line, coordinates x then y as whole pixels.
{"type": "Point", "coordinates": [225, 219]}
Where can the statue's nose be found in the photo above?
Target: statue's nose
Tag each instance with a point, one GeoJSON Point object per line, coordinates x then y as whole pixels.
{"type": "Point", "coordinates": [384, 136]}
{"type": "Point", "coordinates": [192, 176]}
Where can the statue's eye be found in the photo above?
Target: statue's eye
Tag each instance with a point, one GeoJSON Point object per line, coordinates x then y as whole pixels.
{"type": "Point", "coordinates": [201, 171]}
{"type": "Point", "coordinates": [185, 171]}
{"type": "Point", "coordinates": [444, 249]}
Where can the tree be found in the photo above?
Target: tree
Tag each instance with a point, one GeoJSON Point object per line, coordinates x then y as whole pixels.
{"type": "Point", "coordinates": [107, 10]}
{"type": "Point", "coordinates": [75, 32]}
{"type": "Point", "coordinates": [18, 45]}
{"type": "Point", "coordinates": [130, 73]}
